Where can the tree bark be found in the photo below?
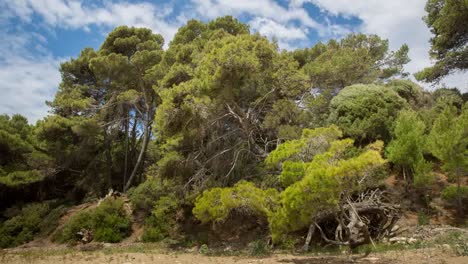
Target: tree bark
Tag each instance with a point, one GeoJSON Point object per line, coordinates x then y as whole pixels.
{"type": "Point", "coordinates": [127, 124]}
{"type": "Point", "coordinates": [310, 233]}
{"type": "Point", "coordinates": [146, 135]}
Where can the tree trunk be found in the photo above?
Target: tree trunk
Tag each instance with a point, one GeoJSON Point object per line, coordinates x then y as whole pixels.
{"type": "Point", "coordinates": [146, 136]}
{"type": "Point", "coordinates": [108, 159]}
{"type": "Point", "coordinates": [310, 233]}
{"type": "Point", "coordinates": [459, 195]}
{"type": "Point", "coordinates": [127, 124]}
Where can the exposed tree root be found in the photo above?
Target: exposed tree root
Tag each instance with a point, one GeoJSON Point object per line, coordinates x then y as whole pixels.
{"type": "Point", "coordinates": [357, 221]}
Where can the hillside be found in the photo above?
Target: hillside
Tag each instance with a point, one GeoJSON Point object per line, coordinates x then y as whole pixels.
{"type": "Point", "coordinates": [220, 143]}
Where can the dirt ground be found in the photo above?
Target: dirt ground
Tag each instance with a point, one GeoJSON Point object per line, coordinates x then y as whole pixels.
{"type": "Point", "coordinates": [433, 256]}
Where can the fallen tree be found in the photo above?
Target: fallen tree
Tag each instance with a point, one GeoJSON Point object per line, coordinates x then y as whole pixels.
{"type": "Point", "coordinates": [329, 187]}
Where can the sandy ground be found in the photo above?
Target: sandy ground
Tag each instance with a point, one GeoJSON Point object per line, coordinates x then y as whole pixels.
{"type": "Point", "coordinates": [433, 256]}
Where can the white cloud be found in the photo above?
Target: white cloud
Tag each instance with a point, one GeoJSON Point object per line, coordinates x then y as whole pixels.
{"type": "Point", "coordinates": [289, 25]}
{"type": "Point", "coordinates": [266, 9]}
{"type": "Point", "coordinates": [400, 21]}
{"type": "Point", "coordinates": [28, 75]}
{"type": "Point", "coordinates": [26, 85]}
{"type": "Point", "coordinates": [272, 29]}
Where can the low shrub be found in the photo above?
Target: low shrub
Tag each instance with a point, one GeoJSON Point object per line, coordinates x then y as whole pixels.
{"type": "Point", "coordinates": [204, 249]}
{"type": "Point", "coordinates": [162, 222]}
{"type": "Point", "coordinates": [32, 220]}
{"type": "Point", "coordinates": [108, 222]}
{"type": "Point", "coordinates": [216, 204]}
{"type": "Point", "coordinates": [145, 195]}
{"type": "Point", "coordinates": [450, 193]}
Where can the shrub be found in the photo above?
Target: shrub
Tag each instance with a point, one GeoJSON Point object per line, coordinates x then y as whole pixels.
{"type": "Point", "coordinates": [450, 193]}
{"type": "Point", "coordinates": [145, 195]}
{"type": "Point", "coordinates": [108, 222]}
{"type": "Point", "coordinates": [366, 112]}
{"type": "Point", "coordinates": [216, 204]}
{"type": "Point", "coordinates": [204, 249]}
{"type": "Point", "coordinates": [33, 219]}
{"type": "Point", "coordinates": [162, 222]}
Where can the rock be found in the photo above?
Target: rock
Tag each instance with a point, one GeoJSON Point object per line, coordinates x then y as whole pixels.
{"type": "Point", "coordinates": [397, 239]}
{"type": "Point", "coordinates": [446, 246]}
{"type": "Point", "coordinates": [403, 240]}
{"type": "Point", "coordinates": [227, 249]}
{"type": "Point", "coordinates": [193, 249]}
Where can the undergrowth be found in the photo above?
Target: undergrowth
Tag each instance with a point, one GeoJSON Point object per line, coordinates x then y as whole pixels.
{"type": "Point", "coordinates": [108, 223]}
{"type": "Point", "coordinates": [36, 219]}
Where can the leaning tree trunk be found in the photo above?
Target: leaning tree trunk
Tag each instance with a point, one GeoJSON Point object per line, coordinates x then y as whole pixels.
{"type": "Point", "coordinates": [144, 146]}
{"type": "Point", "coordinates": [127, 124]}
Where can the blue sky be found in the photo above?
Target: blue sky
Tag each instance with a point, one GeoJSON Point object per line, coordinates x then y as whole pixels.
{"type": "Point", "coordinates": [39, 34]}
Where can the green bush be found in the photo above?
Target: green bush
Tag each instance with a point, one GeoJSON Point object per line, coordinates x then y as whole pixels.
{"type": "Point", "coordinates": [145, 195]}
{"type": "Point", "coordinates": [108, 223]}
{"type": "Point", "coordinates": [204, 249]}
{"type": "Point", "coordinates": [161, 223]}
{"type": "Point", "coordinates": [450, 193]}
{"type": "Point", "coordinates": [31, 220]}
{"type": "Point", "coordinates": [216, 204]}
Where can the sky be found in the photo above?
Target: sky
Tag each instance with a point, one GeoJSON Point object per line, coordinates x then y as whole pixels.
{"type": "Point", "coordinates": [37, 35]}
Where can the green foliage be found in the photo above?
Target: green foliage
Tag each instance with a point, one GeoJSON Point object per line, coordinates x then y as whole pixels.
{"type": "Point", "coordinates": [108, 223]}
{"type": "Point", "coordinates": [104, 98]}
{"type": "Point", "coordinates": [21, 178]}
{"type": "Point", "coordinates": [21, 163]}
{"type": "Point", "coordinates": [312, 142]}
{"type": "Point", "coordinates": [452, 193]}
{"type": "Point", "coordinates": [447, 96]}
{"type": "Point", "coordinates": [292, 155]}
{"type": "Point", "coordinates": [32, 220]}
{"type": "Point", "coordinates": [366, 112]}
{"type": "Point", "coordinates": [448, 139]}
{"type": "Point", "coordinates": [162, 221]}
{"type": "Point", "coordinates": [446, 20]}
{"type": "Point", "coordinates": [145, 195]}
{"type": "Point", "coordinates": [235, 89]}
{"type": "Point", "coordinates": [357, 58]}
{"type": "Point", "coordinates": [216, 204]}
{"type": "Point", "coordinates": [407, 148]}
{"type": "Point", "coordinates": [326, 176]}
{"type": "Point", "coordinates": [411, 92]}
{"type": "Point", "coordinates": [204, 249]}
